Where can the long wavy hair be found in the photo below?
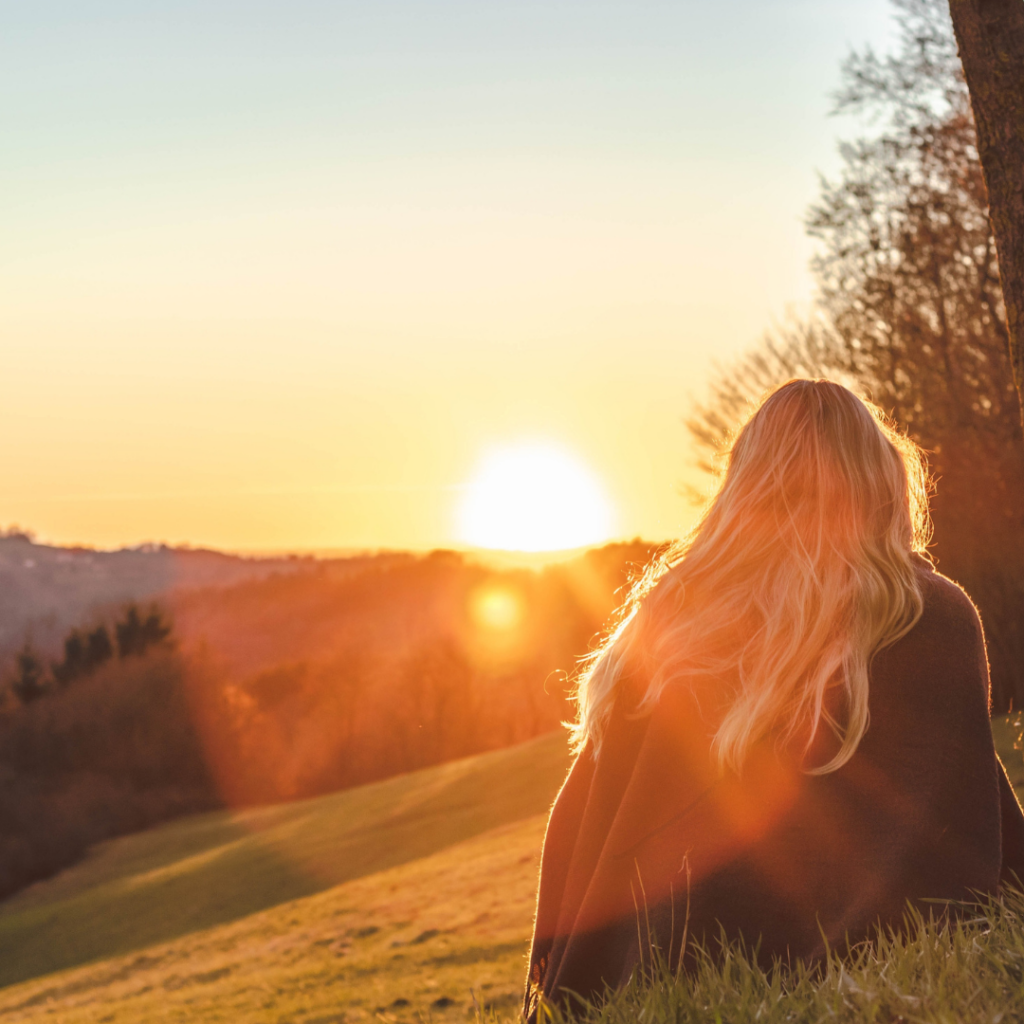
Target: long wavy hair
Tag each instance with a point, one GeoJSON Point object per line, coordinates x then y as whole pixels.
{"type": "Point", "coordinates": [799, 570]}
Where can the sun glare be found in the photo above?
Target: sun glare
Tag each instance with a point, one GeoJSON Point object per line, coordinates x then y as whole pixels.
{"type": "Point", "coordinates": [534, 497]}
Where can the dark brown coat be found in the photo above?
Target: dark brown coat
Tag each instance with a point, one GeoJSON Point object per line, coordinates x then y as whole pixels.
{"type": "Point", "coordinates": [649, 839]}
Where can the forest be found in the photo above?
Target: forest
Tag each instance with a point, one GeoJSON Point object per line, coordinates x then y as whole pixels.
{"type": "Point", "coordinates": [300, 683]}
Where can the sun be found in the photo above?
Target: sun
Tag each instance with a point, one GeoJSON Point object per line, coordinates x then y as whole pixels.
{"type": "Point", "coordinates": [534, 496]}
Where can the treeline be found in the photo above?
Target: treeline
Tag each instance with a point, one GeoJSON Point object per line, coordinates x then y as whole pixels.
{"type": "Point", "coordinates": [97, 742]}
{"type": "Point", "coordinates": [85, 650]}
{"type": "Point", "coordinates": [116, 752]}
{"type": "Point", "coordinates": [287, 687]}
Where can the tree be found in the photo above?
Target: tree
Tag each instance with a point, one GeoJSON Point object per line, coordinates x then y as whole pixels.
{"type": "Point", "coordinates": [990, 35]}
{"type": "Point", "coordinates": [28, 678]}
{"type": "Point", "coordinates": [910, 311]}
{"type": "Point", "coordinates": [73, 664]}
{"type": "Point", "coordinates": [436, 717]}
{"type": "Point", "coordinates": [98, 649]}
{"type": "Point", "coordinates": [907, 270]}
{"type": "Point", "coordinates": [136, 634]}
{"type": "Point", "coordinates": [83, 653]}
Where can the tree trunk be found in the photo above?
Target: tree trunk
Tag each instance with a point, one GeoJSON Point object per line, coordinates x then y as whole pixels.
{"type": "Point", "coordinates": [990, 37]}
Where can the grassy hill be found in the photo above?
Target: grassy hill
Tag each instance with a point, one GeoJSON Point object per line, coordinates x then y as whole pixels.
{"type": "Point", "coordinates": [421, 941]}
{"type": "Point", "coordinates": [215, 868]}
{"type": "Point", "coordinates": [408, 900]}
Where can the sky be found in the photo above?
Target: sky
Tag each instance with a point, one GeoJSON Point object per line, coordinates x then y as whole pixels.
{"type": "Point", "coordinates": [293, 276]}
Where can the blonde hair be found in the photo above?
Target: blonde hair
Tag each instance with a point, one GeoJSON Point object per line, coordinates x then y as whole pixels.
{"type": "Point", "coordinates": [800, 569]}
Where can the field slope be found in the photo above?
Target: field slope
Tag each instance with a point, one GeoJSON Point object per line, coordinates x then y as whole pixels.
{"type": "Point", "coordinates": [427, 940]}
{"type": "Point", "coordinates": [407, 901]}
{"type": "Point", "coordinates": [216, 868]}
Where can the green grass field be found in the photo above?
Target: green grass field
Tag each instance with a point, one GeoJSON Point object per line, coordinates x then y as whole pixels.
{"type": "Point", "coordinates": [407, 900]}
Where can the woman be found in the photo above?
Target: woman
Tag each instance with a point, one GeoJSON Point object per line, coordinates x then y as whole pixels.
{"type": "Point", "coordinates": [787, 736]}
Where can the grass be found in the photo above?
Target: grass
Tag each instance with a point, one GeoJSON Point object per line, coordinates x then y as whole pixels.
{"type": "Point", "coordinates": [431, 939]}
{"type": "Point", "coordinates": [411, 901]}
{"type": "Point", "coordinates": [211, 869]}
{"type": "Point", "coordinates": [968, 973]}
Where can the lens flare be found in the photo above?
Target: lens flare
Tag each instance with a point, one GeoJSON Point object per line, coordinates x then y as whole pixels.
{"type": "Point", "coordinates": [496, 608]}
{"type": "Point", "coordinates": [534, 497]}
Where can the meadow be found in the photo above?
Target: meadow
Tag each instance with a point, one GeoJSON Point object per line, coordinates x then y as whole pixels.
{"type": "Point", "coordinates": [341, 880]}
{"type": "Point", "coordinates": [409, 899]}
{"type": "Point", "coordinates": [420, 940]}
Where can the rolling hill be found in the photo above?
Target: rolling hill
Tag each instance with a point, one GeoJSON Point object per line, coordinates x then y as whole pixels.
{"type": "Point", "coordinates": [210, 869]}
{"type": "Point", "coordinates": [406, 900]}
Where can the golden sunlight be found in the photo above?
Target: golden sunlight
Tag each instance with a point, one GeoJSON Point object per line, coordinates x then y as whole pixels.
{"type": "Point", "coordinates": [534, 496]}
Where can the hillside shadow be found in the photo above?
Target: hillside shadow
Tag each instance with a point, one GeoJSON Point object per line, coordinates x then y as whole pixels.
{"type": "Point", "coordinates": [215, 868]}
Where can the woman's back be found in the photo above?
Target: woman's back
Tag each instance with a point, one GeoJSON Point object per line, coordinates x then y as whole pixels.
{"type": "Point", "coordinates": [787, 735]}
{"type": "Point", "coordinates": [649, 838]}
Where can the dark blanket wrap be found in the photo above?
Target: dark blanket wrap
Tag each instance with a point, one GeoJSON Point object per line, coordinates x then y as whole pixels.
{"type": "Point", "coordinates": [649, 842]}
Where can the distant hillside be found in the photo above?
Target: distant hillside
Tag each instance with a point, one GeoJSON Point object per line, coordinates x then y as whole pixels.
{"type": "Point", "coordinates": [392, 601]}
{"type": "Point", "coordinates": [45, 590]}
{"type": "Point", "coordinates": [358, 669]}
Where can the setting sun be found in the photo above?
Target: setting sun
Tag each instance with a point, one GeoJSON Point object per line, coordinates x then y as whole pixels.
{"type": "Point", "coordinates": [534, 497]}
